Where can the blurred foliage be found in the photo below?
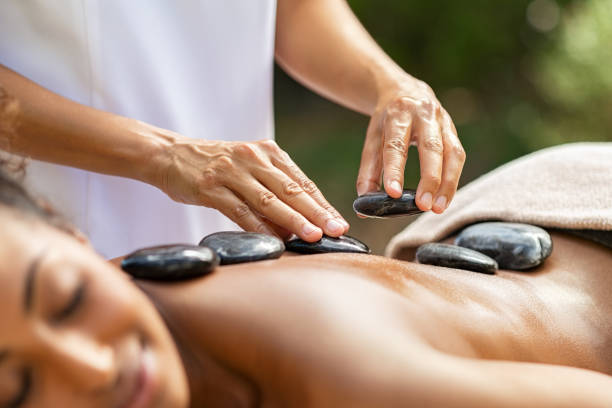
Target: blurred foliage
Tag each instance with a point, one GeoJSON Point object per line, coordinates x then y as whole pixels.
{"type": "Point", "coordinates": [515, 75]}
{"type": "Point", "coordinates": [575, 76]}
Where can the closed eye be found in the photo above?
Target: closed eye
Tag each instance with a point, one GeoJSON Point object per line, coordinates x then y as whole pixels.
{"type": "Point", "coordinates": [72, 306]}
{"type": "Point", "coordinates": [24, 392]}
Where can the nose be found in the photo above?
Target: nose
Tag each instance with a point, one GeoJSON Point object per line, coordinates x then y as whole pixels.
{"type": "Point", "coordinates": [85, 363]}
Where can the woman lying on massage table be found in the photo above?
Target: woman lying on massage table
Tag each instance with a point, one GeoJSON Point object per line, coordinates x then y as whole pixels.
{"type": "Point", "coordinates": [333, 330]}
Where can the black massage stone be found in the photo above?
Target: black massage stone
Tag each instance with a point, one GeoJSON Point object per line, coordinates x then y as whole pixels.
{"type": "Point", "coordinates": [514, 246]}
{"type": "Point", "coordinates": [170, 262]}
{"type": "Point", "coordinates": [452, 256]}
{"type": "Point", "coordinates": [327, 244]}
{"type": "Point", "coordinates": [380, 205]}
{"type": "Point", "coordinates": [238, 246]}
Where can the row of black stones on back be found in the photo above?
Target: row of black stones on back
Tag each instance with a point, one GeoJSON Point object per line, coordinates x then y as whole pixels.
{"type": "Point", "coordinates": [180, 262]}
{"type": "Point", "coordinates": [486, 246]}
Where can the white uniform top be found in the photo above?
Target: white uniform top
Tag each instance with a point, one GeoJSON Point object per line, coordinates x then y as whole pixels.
{"type": "Point", "coordinates": [202, 68]}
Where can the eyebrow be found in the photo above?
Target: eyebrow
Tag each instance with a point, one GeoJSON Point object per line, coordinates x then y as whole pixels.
{"type": "Point", "coordinates": [30, 279]}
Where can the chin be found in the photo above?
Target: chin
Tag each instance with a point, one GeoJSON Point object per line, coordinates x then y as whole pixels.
{"type": "Point", "coordinates": [175, 393]}
{"type": "Point", "coordinates": [176, 399]}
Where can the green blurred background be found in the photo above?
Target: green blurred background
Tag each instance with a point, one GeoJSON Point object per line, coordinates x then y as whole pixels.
{"type": "Point", "coordinates": [515, 75]}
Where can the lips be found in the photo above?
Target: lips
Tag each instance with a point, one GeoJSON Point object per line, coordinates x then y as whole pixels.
{"type": "Point", "coordinates": [142, 382]}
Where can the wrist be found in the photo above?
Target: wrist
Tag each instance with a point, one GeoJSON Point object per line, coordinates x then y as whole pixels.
{"type": "Point", "coordinates": [153, 156]}
{"type": "Point", "coordinates": [400, 82]}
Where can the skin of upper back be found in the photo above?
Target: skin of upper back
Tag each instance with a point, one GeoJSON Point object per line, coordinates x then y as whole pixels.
{"type": "Point", "coordinates": [329, 329]}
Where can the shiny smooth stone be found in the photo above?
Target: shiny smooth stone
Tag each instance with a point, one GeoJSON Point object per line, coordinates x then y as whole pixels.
{"type": "Point", "coordinates": [452, 256]}
{"type": "Point", "coordinates": [239, 246]}
{"type": "Point", "coordinates": [514, 246]}
{"type": "Point", "coordinates": [380, 205]}
{"type": "Point", "coordinates": [327, 244]}
{"type": "Point", "coordinates": [170, 262]}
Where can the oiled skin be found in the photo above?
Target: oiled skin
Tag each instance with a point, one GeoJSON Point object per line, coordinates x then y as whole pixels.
{"type": "Point", "coordinates": [366, 331]}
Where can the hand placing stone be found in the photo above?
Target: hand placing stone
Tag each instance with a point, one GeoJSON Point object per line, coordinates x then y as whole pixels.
{"type": "Point", "coordinates": [514, 246]}
{"type": "Point", "coordinates": [326, 244]}
{"type": "Point", "coordinates": [380, 205]}
{"type": "Point", "coordinates": [238, 246]}
{"type": "Point", "coordinates": [452, 256]}
{"type": "Point", "coordinates": [170, 262]}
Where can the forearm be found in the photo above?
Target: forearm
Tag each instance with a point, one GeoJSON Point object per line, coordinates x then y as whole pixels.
{"type": "Point", "coordinates": [322, 44]}
{"type": "Point", "coordinates": [229, 176]}
{"type": "Point", "coordinates": [48, 127]}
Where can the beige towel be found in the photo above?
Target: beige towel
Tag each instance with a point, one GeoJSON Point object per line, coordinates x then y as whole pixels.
{"type": "Point", "coordinates": [567, 186]}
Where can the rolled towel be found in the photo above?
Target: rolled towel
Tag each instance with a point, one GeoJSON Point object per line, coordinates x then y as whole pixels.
{"type": "Point", "coordinates": [567, 186]}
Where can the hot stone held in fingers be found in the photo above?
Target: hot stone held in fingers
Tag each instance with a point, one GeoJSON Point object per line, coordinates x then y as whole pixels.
{"type": "Point", "coordinates": [452, 256]}
{"type": "Point", "coordinates": [170, 262]}
{"type": "Point", "coordinates": [514, 246]}
{"type": "Point", "coordinates": [380, 205]}
{"type": "Point", "coordinates": [327, 244]}
{"type": "Point", "coordinates": [239, 246]}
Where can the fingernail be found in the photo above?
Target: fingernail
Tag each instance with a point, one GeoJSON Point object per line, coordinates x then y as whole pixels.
{"type": "Point", "coordinates": [344, 223]}
{"type": "Point", "coordinates": [361, 188]}
{"type": "Point", "coordinates": [395, 185]}
{"type": "Point", "coordinates": [308, 229]}
{"type": "Point", "coordinates": [334, 227]}
{"type": "Point", "coordinates": [441, 203]}
{"type": "Point", "coordinates": [426, 200]}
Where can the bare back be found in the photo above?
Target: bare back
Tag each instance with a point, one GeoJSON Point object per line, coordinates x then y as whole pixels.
{"type": "Point", "coordinates": [290, 328]}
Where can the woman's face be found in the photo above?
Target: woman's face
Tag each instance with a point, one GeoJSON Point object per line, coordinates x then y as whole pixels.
{"type": "Point", "coordinates": [74, 331]}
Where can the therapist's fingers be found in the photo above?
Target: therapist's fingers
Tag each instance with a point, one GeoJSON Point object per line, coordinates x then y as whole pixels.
{"type": "Point", "coordinates": [291, 193]}
{"type": "Point", "coordinates": [283, 162]}
{"type": "Point", "coordinates": [266, 203]}
{"type": "Point", "coordinates": [239, 212]}
{"type": "Point", "coordinates": [454, 158]}
{"type": "Point", "coordinates": [283, 233]}
{"type": "Point", "coordinates": [370, 168]}
{"type": "Point", "coordinates": [431, 149]}
{"type": "Point", "coordinates": [260, 175]}
{"type": "Point", "coordinates": [397, 132]}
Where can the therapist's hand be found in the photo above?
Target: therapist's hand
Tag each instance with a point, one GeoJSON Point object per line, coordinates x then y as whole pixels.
{"type": "Point", "coordinates": [409, 113]}
{"type": "Point", "coordinates": [255, 184]}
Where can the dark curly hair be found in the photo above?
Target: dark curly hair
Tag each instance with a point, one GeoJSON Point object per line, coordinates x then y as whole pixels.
{"type": "Point", "coordinates": [13, 195]}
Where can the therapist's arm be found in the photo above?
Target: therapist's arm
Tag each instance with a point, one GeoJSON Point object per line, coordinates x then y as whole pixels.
{"type": "Point", "coordinates": [322, 44]}
{"type": "Point", "coordinates": [253, 183]}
